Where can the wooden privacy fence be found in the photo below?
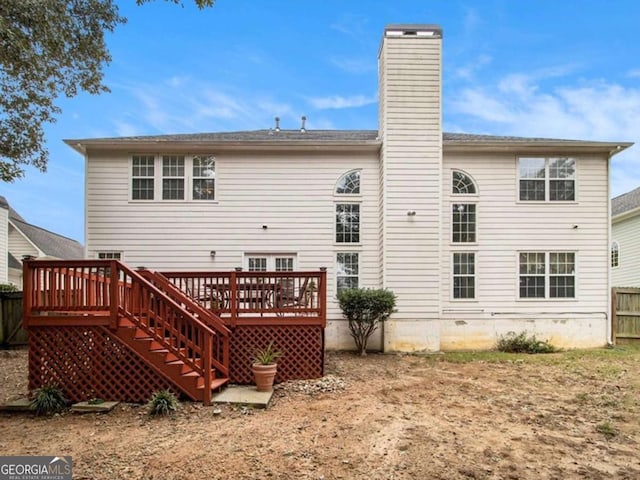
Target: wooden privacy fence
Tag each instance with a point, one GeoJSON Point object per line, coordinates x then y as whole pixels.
{"type": "Point", "coordinates": [625, 315]}
{"type": "Point", "coordinates": [11, 332]}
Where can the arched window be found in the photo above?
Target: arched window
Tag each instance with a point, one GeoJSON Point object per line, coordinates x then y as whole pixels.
{"type": "Point", "coordinates": [349, 183]}
{"type": "Point", "coordinates": [462, 184]}
{"type": "Point", "coordinates": [615, 254]}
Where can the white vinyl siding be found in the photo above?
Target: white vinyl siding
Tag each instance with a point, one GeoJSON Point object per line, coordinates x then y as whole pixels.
{"type": "Point", "coordinates": [19, 246]}
{"type": "Point", "coordinates": [509, 227]}
{"type": "Point", "coordinates": [411, 158]}
{"type": "Point", "coordinates": [626, 233]}
{"type": "Point", "coordinates": [290, 193]}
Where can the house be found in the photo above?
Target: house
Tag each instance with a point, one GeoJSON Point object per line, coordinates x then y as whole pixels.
{"type": "Point", "coordinates": [625, 243]}
{"type": "Point", "coordinates": [19, 239]}
{"type": "Point", "coordinates": [477, 235]}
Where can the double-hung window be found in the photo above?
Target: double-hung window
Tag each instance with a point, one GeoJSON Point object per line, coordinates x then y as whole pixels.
{"type": "Point", "coordinates": [463, 223]}
{"type": "Point", "coordinates": [464, 275]}
{"type": "Point", "coordinates": [547, 179]}
{"type": "Point", "coordinates": [173, 177]}
{"type": "Point", "coordinates": [347, 223]}
{"type": "Point", "coordinates": [347, 268]}
{"type": "Point", "coordinates": [142, 177]}
{"type": "Point", "coordinates": [176, 177]}
{"type": "Point", "coordinates": [547, 275]}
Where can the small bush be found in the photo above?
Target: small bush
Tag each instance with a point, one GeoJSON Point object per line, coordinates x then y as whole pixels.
{"type": "Point", "coordinates": [607, 429]}
{"type": "Point", "coordinates": [163, 403]}
{"type": "Point", "coordinates": [8, 288]}
{"type": "Point", "coordinates": [523, 343]}
{"type": "Point", "coordinates": [267, 356]}
{"type": "Point", "coordinates": [365, 309]}
{"type": "Point", "coordinates": [49, 400]}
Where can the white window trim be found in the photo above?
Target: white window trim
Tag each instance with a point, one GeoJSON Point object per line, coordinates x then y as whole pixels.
{"type": "Point", "coordinates": [462, 195]}
{"type": "Point", "coordinates": [188, 178]}
{"type": "Point", "coordinates": [547, 274]}
{"type": "Point", "coordinates": [347, 195]}
{"type": "Point", "coordinates": [131, 177]}
{"type": "Point", "coordinates": [546, 200]}
{"type": "Point", "coordinates": [271, 259]}
{"type": "Point", "coordinates": [617, 244]}
{"type": "Point", "coordinates": [335, 224]}
{"type": "Point", "coordinates": [475, 277]}
{"type": "Point", "coordinates": [110, 252]}
{"type": "Point", "coordinates": [463, 202]}
{"type": "Point", "coordinates": [335, 266]}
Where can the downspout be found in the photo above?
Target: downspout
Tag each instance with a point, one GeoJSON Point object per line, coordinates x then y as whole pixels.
{"type": "Point", "coordinates": [610, 333]}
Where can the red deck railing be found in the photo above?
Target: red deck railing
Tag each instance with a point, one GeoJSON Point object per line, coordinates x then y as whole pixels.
{"type": "Point", "coordinates": [258, 298]}
{"type": "Point", "coordinates": [102, 292]}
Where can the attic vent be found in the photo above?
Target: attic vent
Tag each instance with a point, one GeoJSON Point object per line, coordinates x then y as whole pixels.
{"type": "Point", "coordinates": [303, 128]}
{"type": "Point", "coordinates": [277, 124]}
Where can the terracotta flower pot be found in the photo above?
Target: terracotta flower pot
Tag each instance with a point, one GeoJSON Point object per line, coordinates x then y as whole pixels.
{"type": "Point", "coordinates": [264, 376]}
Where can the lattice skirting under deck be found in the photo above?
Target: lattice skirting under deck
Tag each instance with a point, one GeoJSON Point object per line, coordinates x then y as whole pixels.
{"type": "Point", "coordinates": [302, 348]}
{"type": "Point", "coordinates": [90, 362]}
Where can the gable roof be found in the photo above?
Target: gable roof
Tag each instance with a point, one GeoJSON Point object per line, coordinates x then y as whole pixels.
{"type": "Point", "coordinates": [13, 262]}
{"type": "Point", "coordinates": [51, 244]}
{"type": "Point", "coordinates": [625, 202]}
{"type": "Point", "coordinates": [325, 138]}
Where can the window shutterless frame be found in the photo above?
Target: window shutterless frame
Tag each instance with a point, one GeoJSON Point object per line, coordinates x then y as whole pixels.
{"type": "Point", "coordinates": [552, 272]}
{"type": "Point", "coordinates": [546, 179]}
{"type": "Point", "coordinates": [177, 178]}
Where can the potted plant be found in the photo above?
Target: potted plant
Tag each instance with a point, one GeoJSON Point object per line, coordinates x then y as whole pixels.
{"type": "Point", "coordinates": [265, 367]}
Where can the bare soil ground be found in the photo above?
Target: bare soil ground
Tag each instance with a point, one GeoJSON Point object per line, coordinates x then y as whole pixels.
{"type": "Point", "coordinates": [455, 416]}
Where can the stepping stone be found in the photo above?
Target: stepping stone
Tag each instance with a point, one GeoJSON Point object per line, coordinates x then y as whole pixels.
{"type": "Point", "coordinates": [86, 407]}
{"type": "Point", "coordinates": [245, 395]}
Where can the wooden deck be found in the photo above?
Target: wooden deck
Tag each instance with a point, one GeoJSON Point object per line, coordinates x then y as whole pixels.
{"type": "Point", "coordinates": [192, 330]}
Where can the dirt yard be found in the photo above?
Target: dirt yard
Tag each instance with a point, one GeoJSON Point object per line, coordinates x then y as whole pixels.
{"type": "Point", "coordinates": [456, 416]}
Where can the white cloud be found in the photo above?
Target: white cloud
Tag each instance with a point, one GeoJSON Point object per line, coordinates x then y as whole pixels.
{"type": "Point", "coordinates": [634, 73]}
{"type": "Point", "coordinates": [517, 105]}
{"type": "Point", "coordinates": [469, 70]}
{"type": "Point", "coordinates": [338, 101]}
{"type": "Point", "coordinates": [354, 65]}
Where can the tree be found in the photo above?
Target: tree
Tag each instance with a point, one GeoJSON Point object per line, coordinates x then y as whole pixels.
{"type": "Point", "coordinates": [48, 48]}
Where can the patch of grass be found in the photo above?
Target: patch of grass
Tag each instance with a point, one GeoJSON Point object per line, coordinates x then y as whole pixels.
{"type": "Point", "coordinates": [49, 400]}
{"type": "Point", "coordinates": [607, 429]}
{"type": "Point", "coordinates": [163, 403]}
{"type": "Point", "coordinates": [523, 343]}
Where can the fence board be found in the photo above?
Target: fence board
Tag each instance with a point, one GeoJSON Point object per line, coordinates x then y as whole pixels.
{"type": "Point", "coordinates": [11, 332]}
{"type": "Point", "coordinates": [625, 314]}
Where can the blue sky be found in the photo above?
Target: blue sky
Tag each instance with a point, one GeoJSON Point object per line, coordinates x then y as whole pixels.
{"type": "Point", "coordinates": [529, 68]}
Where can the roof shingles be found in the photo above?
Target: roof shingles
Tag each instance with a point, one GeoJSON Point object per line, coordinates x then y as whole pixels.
{"type": "Point", "coordinates": [625, 202]}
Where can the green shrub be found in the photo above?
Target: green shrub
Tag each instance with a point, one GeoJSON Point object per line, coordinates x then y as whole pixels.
{"type": "Point", "coordinates": [8, 288]}
{"type": "Point", "coordinates": [524, 343]}
{"type": "Point", "coordinates": [163, 403]}
{"type": "Point", "coordinates": [365, 309]}
{"type": "Point", "coordinates": [49, 400]}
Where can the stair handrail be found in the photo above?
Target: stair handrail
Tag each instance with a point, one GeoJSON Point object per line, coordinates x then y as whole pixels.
{"type": "Point", "coordinates": [206, 349]}
{"type": "Point", "coordinates": [209, 318]}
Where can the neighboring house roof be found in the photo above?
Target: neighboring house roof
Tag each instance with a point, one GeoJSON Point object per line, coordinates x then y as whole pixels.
{"type": "Point", "coordinates": [51, 244]}
{"type": "Point", "coordinates": [328, 137]}
{"type": "Point", "coordinates": [625, 202]}
{"type": "Point", "coordinates": [13, 261]}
